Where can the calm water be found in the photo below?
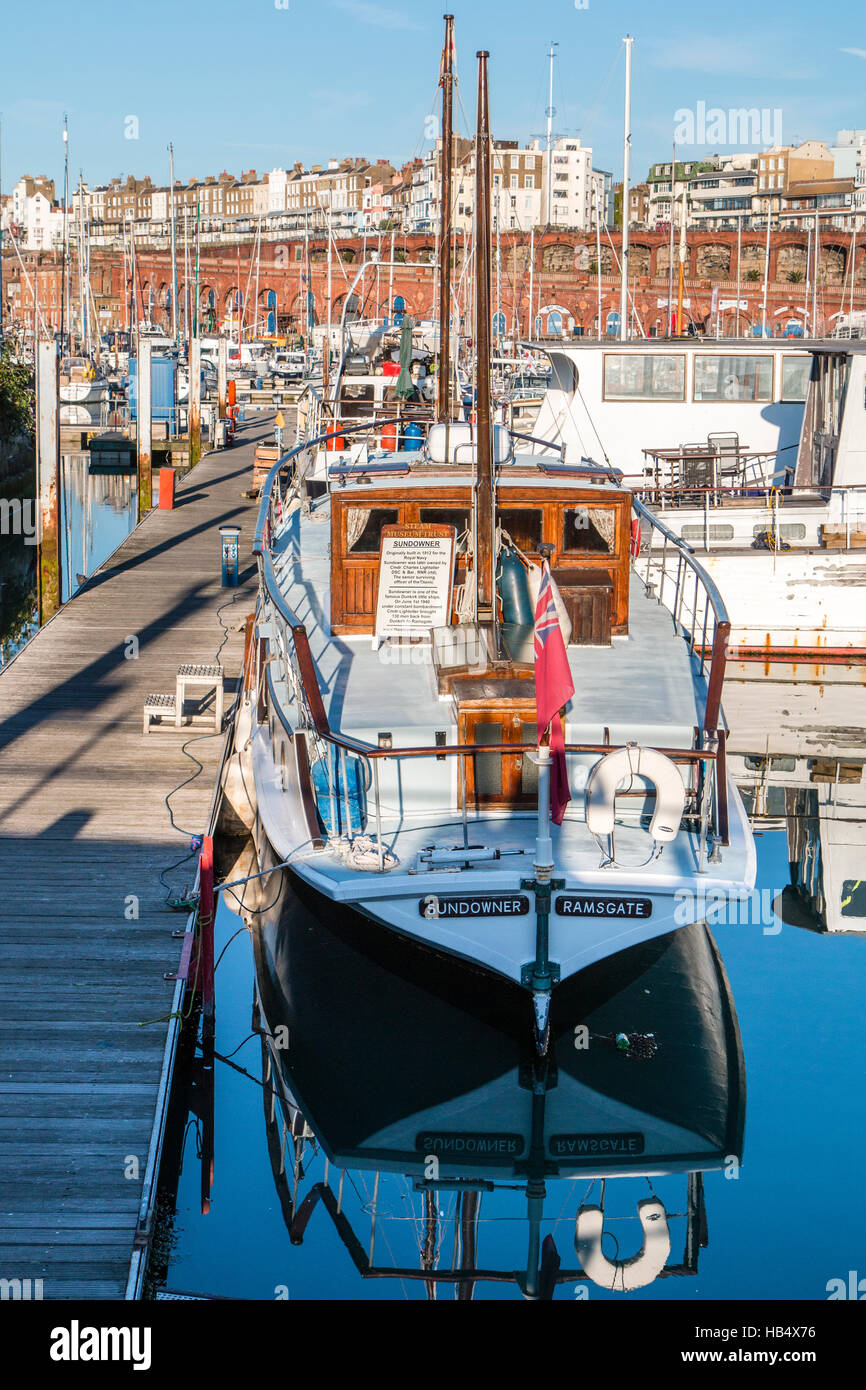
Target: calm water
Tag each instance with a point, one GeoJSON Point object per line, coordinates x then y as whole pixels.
{"type": "Point", "coordinates": [374, 1059]}
{"type": "Point", "coordinates": [99, 511]}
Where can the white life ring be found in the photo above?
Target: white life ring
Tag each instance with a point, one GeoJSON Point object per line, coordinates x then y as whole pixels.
{"type": "Point", "coordinates": [632, 761]}
{"type": "Point", "coordinates": [623, 1275]}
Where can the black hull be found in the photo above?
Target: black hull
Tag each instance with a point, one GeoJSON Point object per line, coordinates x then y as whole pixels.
{"type": "Point", "coordinates": [381, 1026]}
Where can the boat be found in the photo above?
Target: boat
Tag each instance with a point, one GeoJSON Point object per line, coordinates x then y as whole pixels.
{"type": "Point", "coordinates": [84, 394]}
{"type": "Point", "coordinates": [819, 803]}
{"type": "Point", "coordinates": [393, 741]}
{"type": "Point", "coordinates": [437, 1127]}
{"type": "Point", "coordinates": [752, 453]}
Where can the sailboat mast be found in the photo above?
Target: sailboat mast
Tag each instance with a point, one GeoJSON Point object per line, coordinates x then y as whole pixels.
{"type": "Point", "coordinates": [173, 244]}
{"type": "Point", "coordinates": [485, 557]}
{"type": "Point", "coordinates": [444, 404]}
{"type": "Point", "coordinates": [530, 325]}
{"type": "Point", "coordinates": [82, 303]}
{"type": "Point", "coordinates": [626, 170]}
{"type": "Point", "coordinates": [64, 278]}
{"type": "Point", "coordinates": [551, 55]}
{"type": "Point", "coordinates": [258, 266]}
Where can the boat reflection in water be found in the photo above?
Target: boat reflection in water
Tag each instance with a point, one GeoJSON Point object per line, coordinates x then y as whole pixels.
{"type": "Point", "coordinates": [820, 803]}
{"type": "Point", "coordinates": [425, 1126]}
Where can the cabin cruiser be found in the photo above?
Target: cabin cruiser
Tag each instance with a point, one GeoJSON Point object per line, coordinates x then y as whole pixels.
{"type": "Point", "coordinates": [83, 393]}
{"type": "Point", "coordinates": [411, 767]}
{"type": "Point", "coordinates": [437, 1128]}
{"type": "Point", "coordinates": [289, 365]}
{"type": "Point", "coordinates": [771, 488]}
{"type": "Point", "coordinates": [393, 739]}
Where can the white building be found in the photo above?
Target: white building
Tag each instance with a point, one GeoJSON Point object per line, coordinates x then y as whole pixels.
{"type": "Point", "coordinates": [849, 153]}
{"type": "Point", "coordinates": [719, 198]}
{"type": "Point", "coordinates": [31, 216]}
{"type": "Point", "coordinates": [569, 185]}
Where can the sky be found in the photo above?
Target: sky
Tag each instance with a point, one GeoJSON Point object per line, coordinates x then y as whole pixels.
{"type": "Point", "coordinates": [263, 83]}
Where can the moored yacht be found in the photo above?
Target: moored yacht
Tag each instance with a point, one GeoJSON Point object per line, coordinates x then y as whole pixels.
{"type": "Point", "coordinates": [753, 454]}
{"type": "Point", "coordinates": [438, 1114]}
{"type": "Point", "coordinates": [404, 769]}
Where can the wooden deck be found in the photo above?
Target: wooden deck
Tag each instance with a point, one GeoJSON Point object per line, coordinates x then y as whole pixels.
{"type": "Point", "coordinates": [85, 827]}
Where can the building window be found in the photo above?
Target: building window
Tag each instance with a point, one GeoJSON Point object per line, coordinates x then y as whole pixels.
{"type": "Point", "coordinates": [529, 181]}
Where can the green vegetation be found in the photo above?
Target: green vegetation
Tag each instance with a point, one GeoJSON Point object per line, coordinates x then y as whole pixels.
{"type": "Point", "coordinates": [16, 396]}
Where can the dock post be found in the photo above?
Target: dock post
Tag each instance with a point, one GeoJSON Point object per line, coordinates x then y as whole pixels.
{"type": "Point", "coordinates": [47, 479]}
{"type": "Point", "coordinates": [194, 424]}
{"type": "Point", "coordinates": [223, 376]}
{"type": "Point", "coordinates": [206, 929]}
{"type": "Point", "coordinates": [144, 427]}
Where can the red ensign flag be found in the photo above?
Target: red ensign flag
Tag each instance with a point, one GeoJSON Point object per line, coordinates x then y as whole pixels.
{"type": "Point", "coordinates": [553, 689]}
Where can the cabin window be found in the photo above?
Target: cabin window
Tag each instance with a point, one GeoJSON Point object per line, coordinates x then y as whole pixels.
{"type": "Point", "coordinates": [358, 393]}
{"type": "Point", "coordinates": [528, 768]}
{"type": "Point", "coordinates": [776, 762]}
{"type": "Point", "coordinates": [793, 531]}
{"type": "Point", "coordinates": [523, 525]}
{"type": "Point", "coordinates": [446, 516]}
{"type": "Point", "coordinates": [588, 531]}
{"type": "Point", "coordinates": [721, 378]}
{"type": "Point", "coordinates": [364, 528]}
{"type": "Point", "coordinates": [644, 377]}
{"type": "Point", "coordinates": [795, 378]}
{"type": "Point", "coordinates": [722, 532]}
{"type": "Point", "coordinates": [488, 766]}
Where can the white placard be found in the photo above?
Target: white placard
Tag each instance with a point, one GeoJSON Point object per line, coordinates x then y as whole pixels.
{"type": "Point", "coordinates": [416, 566]}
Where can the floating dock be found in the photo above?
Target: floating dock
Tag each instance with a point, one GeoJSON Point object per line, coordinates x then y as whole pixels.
{"type": "Point", "coordinates": [86, 934]}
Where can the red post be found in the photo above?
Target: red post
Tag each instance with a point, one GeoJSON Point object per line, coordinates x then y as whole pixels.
{"type": "Point", "coordinates": [166, 489]}
{"type": "Point", "coordinates": [206, 926]}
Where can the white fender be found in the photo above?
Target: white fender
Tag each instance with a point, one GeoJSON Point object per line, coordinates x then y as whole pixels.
{"type": "Point", "coordinates": [614, 768]}
{"type": "Point", "coordinates": [623, 1275]}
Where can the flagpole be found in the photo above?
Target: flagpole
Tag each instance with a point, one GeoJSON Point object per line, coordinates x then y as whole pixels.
{"type": "Point", "coordinates": [543, 842]}
{"type": "Point", "coordinates": [554, 687]}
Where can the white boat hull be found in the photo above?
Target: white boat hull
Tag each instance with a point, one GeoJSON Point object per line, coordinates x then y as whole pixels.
{"type": "Point", "coordinates": [482, 915]}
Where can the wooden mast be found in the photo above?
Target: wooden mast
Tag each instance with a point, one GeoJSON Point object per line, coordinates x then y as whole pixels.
{"type": "Point", "coordinates": [485, 558]}
{"type": "Point", "coordinates": [444, 410]}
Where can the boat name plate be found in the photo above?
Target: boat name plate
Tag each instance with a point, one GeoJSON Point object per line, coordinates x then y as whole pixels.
{"type": "Point", "coordinates": [588, 1145]}
{"type": "Point", "coordinates": [451, 1145]}
{"type": "Point", "coordinates": [584, 905]}
{"type": "Point", "coordinates": [475, 905]}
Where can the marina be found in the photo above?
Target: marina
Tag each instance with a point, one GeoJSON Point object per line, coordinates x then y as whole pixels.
{"type": "Point", "coordinates": [432, 723]}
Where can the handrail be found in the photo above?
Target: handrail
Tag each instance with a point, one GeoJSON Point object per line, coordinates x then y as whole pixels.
{"type": "Point", "coordinates": [267, 485]}
{"type": "Point", "coordinates": [545, 443]}
{"type": "Point", "coordinates": [323, 730]}
{"type": "Point", "coordinates": [721, 622]}
{"type": "Point", "coordinates": [301, 672]}
{"type": "Point", "coordinates": [689, 555]}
